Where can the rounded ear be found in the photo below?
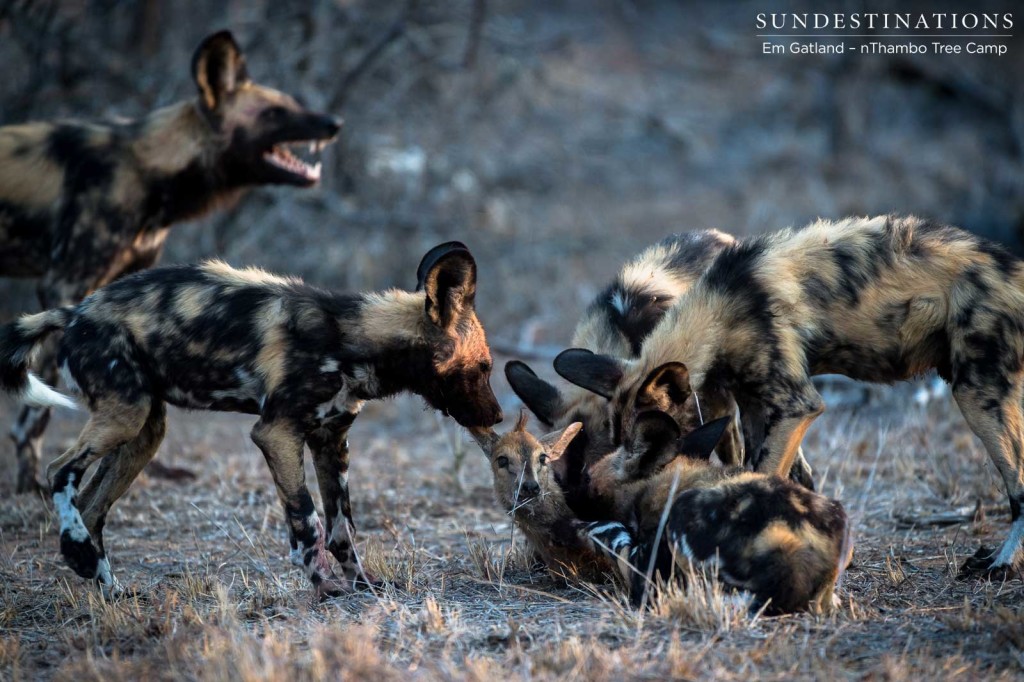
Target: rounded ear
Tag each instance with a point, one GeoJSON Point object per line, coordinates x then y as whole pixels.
{"type": "Point", "coordinates": [665, 387]}
{"type": "Point", "coordinates": [218, 68]}
{"type": "Point", "coordinates": [486, 438]}
{"type": "Point", "coordinates": [598, 374]}
{"type": "Point", "coordinates": [703, 440]}
{"type": "Point", "coordinates": [654, 432]}
{"type": "Point", "coordinates": [447, 274]}
{"type": "Point", "coordinates": [651, 445]}
{"type": "Point", "coordinates": [543, 399]}
{"type": "Point", "coordinates": [556, 442]}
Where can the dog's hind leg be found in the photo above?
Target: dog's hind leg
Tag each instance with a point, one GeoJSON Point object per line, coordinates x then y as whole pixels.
{"type": "Point", "coordinates": [113, 423]}
{"type": "Point", "coordinates": [113, 477]}
{"type": "Point", "coordinates": [993, 411]}
{"type": "Point", "coordinates": [57, 289]}
{"type": "Point", "coordinates": [27, 434]}
{"type": "Point", "coordinates": [27, 431]}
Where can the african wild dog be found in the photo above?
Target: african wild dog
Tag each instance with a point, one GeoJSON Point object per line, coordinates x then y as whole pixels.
{"type": "Point", "coordinates": [879, 299]}
{"type": "Point", "coordinates": [617, 323]}
{"type": "Point", "coordinates": [527, 487]}
{"type": "Point", "coordinates": [216, 338]}
{"type": "Point", "coordinates": [82, 204]}
{"type": "Point", "coordinates": [786, 545]}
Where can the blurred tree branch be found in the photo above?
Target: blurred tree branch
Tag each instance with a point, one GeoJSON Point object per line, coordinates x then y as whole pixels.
{"type": "Point", "coordinates": [476, 25]}
{"type": "Point", "coordinates": [393, 33]}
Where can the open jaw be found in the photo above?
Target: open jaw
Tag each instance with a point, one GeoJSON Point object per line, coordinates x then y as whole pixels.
{"type": "Point", "coordinates": [282, 155]}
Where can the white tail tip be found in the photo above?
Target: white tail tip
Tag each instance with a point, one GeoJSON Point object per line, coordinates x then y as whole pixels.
{"type": "Point", "coordinates": [39, 394]}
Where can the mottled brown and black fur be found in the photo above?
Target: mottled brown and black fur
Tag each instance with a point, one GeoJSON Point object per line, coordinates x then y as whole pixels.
{"type": "Point", "coordinates": [217, 338]}
{"type": "Point", "coordinates": [83, 203]}
{"type": "Point", "coordinates": [880, 299]}
{"type": "Point", "coordinates": [784, 544]}
{"type": "Point", "coordinates": [617, 323]}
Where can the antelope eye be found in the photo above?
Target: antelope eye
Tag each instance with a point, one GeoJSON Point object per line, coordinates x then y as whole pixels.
{"type": "Point", "coordinates": [485, 367]}
{"type": "Point", "coordinates": [543, 459]}
{"type": "Point", "coordinates": [502, 462]}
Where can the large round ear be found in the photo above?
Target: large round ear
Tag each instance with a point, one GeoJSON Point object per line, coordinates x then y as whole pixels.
{"type": "Point", "coordinates": [218, 68]}
{"type": "Point", "coordinates": [654, 433]}
{"type": "Point", "coordinates": [665, 387]}
{"type": "Point", "coordinates": [703, 440]}
{"type": "Point", "coordinates": [447, 274]}
{"type": "Point", "coordinates": [556, 442]}
{"type": "Point", "coordinates": [598, 374]}
{"type": "Point", "coordinates": [543, 399]}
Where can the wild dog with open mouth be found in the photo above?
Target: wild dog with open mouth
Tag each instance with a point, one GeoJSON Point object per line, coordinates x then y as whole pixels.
{"type": "Point", "coordinates": [83, 203]}
{"type": "Point", "coordinates": [617, 323]}
{"type": "Point", "coordinates": [216, 338]}
{"type": "Point", "coordinates": [526, 474]}
{"type": "Point", "coordinates": [786, 545]}
{"type": "Point", "coordinates": [876, 299]}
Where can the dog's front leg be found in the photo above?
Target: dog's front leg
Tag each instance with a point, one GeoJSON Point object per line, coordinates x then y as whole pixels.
{"type": "Point", "coordinates": [789, 407]}
{"type": "Point", "coordinates": [329, 445]}
{"type": "Point", "coordinates": [281, 441]}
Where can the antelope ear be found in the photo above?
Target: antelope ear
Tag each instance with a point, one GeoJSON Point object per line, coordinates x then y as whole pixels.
{"type": "Point", "coordinates": [665, 387]}
{"type": "Point", "coordinates": [556, 442]}
{"type": "Point", "coordinates": [486, 438]}
{"type": "Point", "coordinates": [542, 398]}
{"type": "Point", "coordinates": [703, 440]}
{"type": "Point", "coordinates": [218, 69]}
{"type": "Point", "coordinates": [447, 274]}
{"type": "Point", "coordinates": [598, 374]}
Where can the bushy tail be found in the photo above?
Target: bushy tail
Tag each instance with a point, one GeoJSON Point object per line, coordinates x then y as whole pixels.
{"type": "Point", "coordinates": [18, 340]}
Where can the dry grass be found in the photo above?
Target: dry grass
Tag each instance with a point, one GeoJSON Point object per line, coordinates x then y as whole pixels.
{"type": "Point", "coordinates": [217, 599]}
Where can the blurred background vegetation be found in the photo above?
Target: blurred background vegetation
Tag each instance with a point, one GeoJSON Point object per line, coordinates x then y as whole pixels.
{"type": "Point", "coordinates": [555, 138]}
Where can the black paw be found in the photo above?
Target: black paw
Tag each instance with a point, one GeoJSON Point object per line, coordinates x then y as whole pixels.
{"type": "Point", "coordinates": [81, 556]}
{"type": "Point", "coordinates": [982, 565]}
{"type": "Point", "coordinates": [332, 587]}
{"type": "Point", "coordinates": [368, 581]}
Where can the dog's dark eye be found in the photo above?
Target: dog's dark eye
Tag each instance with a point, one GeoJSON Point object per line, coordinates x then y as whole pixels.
{"type": "Point", "coordinates": [275, 113]}
{"type": "Point", "coordinates": [543, 459]}
{"type": "Point", "coordinates": [502, 462]}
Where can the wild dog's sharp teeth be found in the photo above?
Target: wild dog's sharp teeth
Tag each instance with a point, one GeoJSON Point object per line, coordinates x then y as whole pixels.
{"type": "Point", "coordinates": [280, 156]}
{"type": "Point", "coordinates": [312, 147]}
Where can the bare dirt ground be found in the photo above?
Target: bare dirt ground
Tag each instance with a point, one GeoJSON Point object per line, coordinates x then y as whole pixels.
{"type": "Point", "coordinates": [217, 598]}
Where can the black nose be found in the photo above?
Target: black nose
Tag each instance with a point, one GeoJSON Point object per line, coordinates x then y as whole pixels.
{"type": "Point", "coordinates": [333, 125]}
{"type": "Point", "coordinates": [531, 488]}
{"type": "Point", "coordinates": [498, 417]}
